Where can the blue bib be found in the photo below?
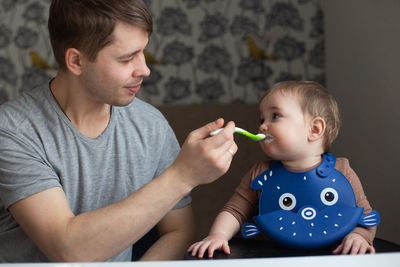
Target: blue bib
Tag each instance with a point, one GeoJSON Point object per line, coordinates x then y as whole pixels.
{"type": "Point", "coordinates": [306, 209]}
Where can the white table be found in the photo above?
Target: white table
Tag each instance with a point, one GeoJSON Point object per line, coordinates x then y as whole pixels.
{"type": "Point", "coordinates": [380, 259]}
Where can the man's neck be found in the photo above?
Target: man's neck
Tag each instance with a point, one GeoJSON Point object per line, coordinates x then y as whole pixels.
{"type": "Point", "coordinates": [88, 116]}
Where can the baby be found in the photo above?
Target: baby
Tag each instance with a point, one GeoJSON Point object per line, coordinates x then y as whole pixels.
{"type": "Point", "coordinates": [301, 120]}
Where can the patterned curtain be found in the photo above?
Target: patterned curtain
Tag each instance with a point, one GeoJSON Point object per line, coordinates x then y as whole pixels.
{"type": "Point", "coordinates": [201, 51]}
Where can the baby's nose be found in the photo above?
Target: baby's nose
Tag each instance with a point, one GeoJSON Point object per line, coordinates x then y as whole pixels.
{"type": "Point", "coordinates": [263, 128]}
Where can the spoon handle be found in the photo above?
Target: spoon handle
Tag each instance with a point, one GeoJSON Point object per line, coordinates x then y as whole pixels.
{"type": "Point", "coordinates": [240, 131]}
{"type": "Point", "coordinates": [237, 130]}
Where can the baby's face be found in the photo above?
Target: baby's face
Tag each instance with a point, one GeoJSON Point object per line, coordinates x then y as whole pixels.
{"type": "Point", "coordinates": [285, 125]}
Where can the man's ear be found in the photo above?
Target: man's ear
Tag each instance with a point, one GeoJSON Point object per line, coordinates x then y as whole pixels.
{"type": "Point", "coordinates": [73, 60]}
{"type": "Point", "coordinates": [317, 129]}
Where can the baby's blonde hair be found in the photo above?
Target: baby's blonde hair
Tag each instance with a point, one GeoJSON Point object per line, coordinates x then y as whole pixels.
{"type": "Point", "coordinates": [316, 101]}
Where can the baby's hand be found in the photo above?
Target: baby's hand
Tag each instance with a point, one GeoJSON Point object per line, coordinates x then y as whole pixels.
{"type": "Point", "coordinates": [354, 244]}
{"type": "Point", "coordinates": [211, 243]}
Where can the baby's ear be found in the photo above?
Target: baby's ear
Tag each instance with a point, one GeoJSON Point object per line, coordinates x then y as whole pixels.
{"type": "Point", "coordinates": [317, 129]}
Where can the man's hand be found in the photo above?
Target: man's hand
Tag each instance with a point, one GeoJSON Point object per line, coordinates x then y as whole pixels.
{"type": "Point", "coordinates": [203, 158]}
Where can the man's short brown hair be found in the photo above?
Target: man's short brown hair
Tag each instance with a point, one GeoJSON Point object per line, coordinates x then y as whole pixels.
{"type": "Point", "coordinates": [87, 25]}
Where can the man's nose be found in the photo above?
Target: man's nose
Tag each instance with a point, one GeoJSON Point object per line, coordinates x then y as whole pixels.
{"type": "Point", "coordinates": [142, 68]}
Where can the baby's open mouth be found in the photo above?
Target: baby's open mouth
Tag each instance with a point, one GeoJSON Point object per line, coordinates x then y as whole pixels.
{"type": "Point", "coordinates": [268, 139]}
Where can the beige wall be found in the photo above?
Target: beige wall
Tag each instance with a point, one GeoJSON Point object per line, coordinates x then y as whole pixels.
{"type": "Point", "coordinates": [363, 57]}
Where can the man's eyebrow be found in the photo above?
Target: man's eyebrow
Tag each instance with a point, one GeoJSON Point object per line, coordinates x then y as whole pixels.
{"type": "Point", "coordinates": [127, 55]}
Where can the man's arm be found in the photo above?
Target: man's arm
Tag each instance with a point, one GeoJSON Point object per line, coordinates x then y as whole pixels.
{"type": "Point", "coordinates": [93, 236]}
{"type": "Point", "coordinates": [101, 234]}
{"type": "Point", "coordinates": [176, 234]}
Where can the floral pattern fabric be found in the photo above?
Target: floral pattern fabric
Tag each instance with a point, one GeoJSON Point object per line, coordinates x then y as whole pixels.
{"type": "Point", "coordinates": [201, 51]}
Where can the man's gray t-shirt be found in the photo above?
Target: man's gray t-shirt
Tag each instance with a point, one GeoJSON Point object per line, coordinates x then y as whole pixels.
{"type": "Point", "coordinates": [41, 149]}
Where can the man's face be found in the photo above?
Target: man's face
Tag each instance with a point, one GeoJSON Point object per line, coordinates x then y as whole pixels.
{"type": "Point", "coordinates": [116, 75]}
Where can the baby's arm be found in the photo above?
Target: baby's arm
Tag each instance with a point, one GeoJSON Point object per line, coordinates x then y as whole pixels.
{"type": "Point", "coordinates": [225, 226]}
{"type": "Point", "coordinates": [360, 240]}
{"type": "Point", "coordinates": [239, 208]}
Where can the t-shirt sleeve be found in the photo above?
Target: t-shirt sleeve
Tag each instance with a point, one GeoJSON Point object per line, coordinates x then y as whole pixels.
{"type": "Point", "coordinates": [343, 165]}
{"type": "Point", "coordinates": [23, 172]}
{"type": "Point", "coordinates": [169, 153]}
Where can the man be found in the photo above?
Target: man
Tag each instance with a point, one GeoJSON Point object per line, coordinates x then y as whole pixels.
{"type": "Point", "coordinates": [85, 168]}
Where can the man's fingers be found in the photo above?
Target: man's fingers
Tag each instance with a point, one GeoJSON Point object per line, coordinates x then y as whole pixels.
{"type": "Point", "coordinates": [204, 131]}
{"type": "Point", "coordinates": [224, 139]}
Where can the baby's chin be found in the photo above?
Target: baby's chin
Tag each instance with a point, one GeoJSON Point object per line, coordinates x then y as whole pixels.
{"type": "Point", "coordinates": [269, 151]}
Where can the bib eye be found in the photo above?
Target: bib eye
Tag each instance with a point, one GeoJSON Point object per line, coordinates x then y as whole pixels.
{"type": "Point", "coordinates": [329, 196]}
{"type": "Point", "coordinates": [287, 201]}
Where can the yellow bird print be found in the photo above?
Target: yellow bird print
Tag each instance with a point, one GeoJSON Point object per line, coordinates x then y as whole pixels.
{"type": "Point", "coordinates": [256, 52]}
{"type": "Point", "coordinates": [39, 62]}
{"type": "Point", "coordinates": [151, 60]}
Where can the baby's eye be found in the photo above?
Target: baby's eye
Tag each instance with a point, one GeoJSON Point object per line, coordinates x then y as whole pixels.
{"type": "Point", "coordinates": [261, 121]}
{"type": "Point", "coordinates": [275, 116]}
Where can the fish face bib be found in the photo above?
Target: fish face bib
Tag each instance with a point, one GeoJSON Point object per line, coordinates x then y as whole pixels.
{"type": "Point", "coordinates": [306, 209]}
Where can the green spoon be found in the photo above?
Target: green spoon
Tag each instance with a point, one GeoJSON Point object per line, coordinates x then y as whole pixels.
{"type": "Point", "coordinates": [254, 137]}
